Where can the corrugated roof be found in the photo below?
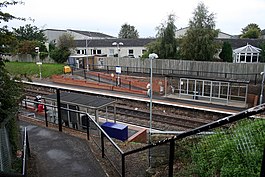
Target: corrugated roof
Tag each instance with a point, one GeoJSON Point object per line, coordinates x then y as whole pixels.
{"type": "Point", "coordinates": [92, 34]}
{"type": "Point", "coordinates": [88, 101]}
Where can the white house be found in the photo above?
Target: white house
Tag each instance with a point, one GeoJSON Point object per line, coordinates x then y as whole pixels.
{"type": "Point", "coordinates": [133, 48]}
{"type": "Point", "coordinates": [53, 34]}
{"type": "Point", "coordinates": [182, 32]}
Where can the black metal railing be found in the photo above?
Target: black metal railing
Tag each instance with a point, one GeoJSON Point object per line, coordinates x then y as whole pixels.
{"type": "Point", "coordinates": [125, 162]}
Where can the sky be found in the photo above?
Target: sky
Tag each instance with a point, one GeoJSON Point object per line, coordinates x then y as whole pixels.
{"type": "Point", "coordinates": [107, 16]}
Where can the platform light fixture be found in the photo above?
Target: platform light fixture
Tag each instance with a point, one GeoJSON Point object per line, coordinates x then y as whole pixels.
{"type": "Point", "coordinates": [152, 56]}
{"type": "Point", "coordinates": [262, 86]}
{"type": "Point", "coordinates": [118, 68]}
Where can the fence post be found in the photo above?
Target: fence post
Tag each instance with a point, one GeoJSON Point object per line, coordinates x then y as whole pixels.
{"type": "Point", "coordinates": [59, 109]}
{"type": "Point", "coordinates": [122, 165]}
{"type": "Point", "coordinates": [84, 74]}
{"type": "Point", "coordinates": [45, 111]}
{"type": "Point", "coordinates": [87, 127]}
{"type": "Point", "coordinates": [255, 79]}
{"type": "Point", "coordinates": [171, 158]}
{"type": "Point", "coordinates": [102, 145]}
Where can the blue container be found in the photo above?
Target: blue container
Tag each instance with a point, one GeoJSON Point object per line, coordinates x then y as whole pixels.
{"type": "Point", "coordinates": [114, 130]}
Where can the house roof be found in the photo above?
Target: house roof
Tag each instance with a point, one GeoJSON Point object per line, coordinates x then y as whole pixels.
{"type": "Point", "coordinates": [237, 43]}
{"type": "Point", "coordinates": [108, 42]}
{"type": "Point", "coordinates": [91, 34]}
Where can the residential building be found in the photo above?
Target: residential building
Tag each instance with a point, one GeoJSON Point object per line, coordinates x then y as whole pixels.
{"type": "Point", "coordinates": [221, 35]}
{"type": "Point", "coordinates": [133, 48]}
{"type": "Point", "coordinates": [54, 34]}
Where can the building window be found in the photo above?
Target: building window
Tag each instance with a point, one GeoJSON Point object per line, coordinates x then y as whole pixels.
{"type": "Point", "coordinates": [130, 52]}
{"type": "Point", "coordinates": [111, 52]}
{"type": "Point", "coordinates": [143, 51]}
{"type": "Point", "coordinates": [94, 52]}
{"type": "Point", "coordinates": [98, 52]}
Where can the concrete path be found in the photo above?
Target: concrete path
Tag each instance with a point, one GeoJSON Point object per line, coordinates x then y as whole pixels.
{"type": "Point", "coordinates": [61, 155]}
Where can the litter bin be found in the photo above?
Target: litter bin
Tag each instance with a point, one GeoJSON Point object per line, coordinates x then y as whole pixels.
{"type": "Point", "coordinates": [66, 69]}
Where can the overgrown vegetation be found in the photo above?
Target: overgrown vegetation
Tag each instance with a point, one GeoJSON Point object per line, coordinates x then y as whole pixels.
{"type": "Point", "coordinates": [32, 69]}
{"type": "Point", "coordinates": [237, 151]}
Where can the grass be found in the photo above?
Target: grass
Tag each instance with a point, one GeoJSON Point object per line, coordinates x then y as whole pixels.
{"type": "Point", "coordinates": [32, 69]}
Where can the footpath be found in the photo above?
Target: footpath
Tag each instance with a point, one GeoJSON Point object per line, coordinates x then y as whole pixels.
{"type": "Point", "coordinates": [61, 155]}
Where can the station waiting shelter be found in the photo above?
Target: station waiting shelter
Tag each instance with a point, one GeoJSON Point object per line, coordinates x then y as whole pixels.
{"type": "Point", "coordinates": [80, 102]}
{"type": "Point", "coordinates": [217, 91]}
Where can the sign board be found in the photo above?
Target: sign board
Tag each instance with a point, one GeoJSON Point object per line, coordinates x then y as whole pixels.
{"type": "Point", "coordinates": [39, 63]}
{"type": "Point", "coordinates": [118, 69]}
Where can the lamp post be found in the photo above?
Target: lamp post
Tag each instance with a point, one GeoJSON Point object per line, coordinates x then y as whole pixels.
{"type": "Point", "coordinates": [118, 68]}
{"type": "Point", "coordinates": [39, 63]}
{"type": "Point", "coordinates": [262, 86]}
{"type": "Point", "coordinates": [151, 57]}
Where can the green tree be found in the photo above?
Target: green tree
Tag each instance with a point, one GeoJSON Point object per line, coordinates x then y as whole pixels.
{"type": "Point", "coordinates": [29, 38]}
{"type": "Point", "coordinates": [198, 43]}
{"type": "Point", "coordinates": [227, 52]}
{"type": "Point", "coordinates": [5, 16]}
{"type": "Point", "coordinates": [166, 36]}
{"type": "Point", "coordinates": [262, 53]}
{"type": "Point", "coordinates": [166, 44]}
{"type": "Point", "coordinates": [62, 51]}
{"type": "Point", "coordinates": [7, 39]}
{"type": "Point", "coordinates": [128, 32]}
{"type": "Point", "coordinates": [30, 33]}
{"type": "Point", "coordinates": [251, 31]}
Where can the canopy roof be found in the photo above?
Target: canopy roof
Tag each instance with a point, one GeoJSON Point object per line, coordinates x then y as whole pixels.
{"type": "Point", "coordinates": [88, 101]}
{"type": "Point", "coordinates": [247, 49]}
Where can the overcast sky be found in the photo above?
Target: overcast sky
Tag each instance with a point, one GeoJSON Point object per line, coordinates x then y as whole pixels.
{"type": "Point", "coordinates": [107, 16]}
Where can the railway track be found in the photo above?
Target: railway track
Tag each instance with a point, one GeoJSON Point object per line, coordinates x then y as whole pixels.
{"type": "Point", "coordinates": [141, 116]}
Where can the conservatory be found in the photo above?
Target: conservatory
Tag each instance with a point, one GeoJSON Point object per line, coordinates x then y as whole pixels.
{"type": "Point", "coordinates": [246, 54]}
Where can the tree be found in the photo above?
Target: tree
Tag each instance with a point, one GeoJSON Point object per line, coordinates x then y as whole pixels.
{"type": "Point", "coordinates": [61, 53]}
{"type": "Point", "coordinates": [227, 52]}
{"type": "Point", "coordinates": [7, 39]}
{"type": "Point", "coordinates": [5, 16]}
{"type": "Point", "coordinates": [29, 37]}
{"type": "Point", "coordinates": [66, 41]}
{"type": "Point", "coordinates": [128, 32]}
{"type": "Point", "coordinates": [166, 44]}
{"type": "Point", "coordinates": [252, 31]}
{"type": "Point", "coordinates": [198, 43]}
{"type": "Point", "coordinates": [29, 33]}
{"type": "Point", "coordinates": [262, 53]}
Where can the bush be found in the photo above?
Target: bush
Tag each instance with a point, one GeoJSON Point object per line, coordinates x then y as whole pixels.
{"type": "Point", "coordinates": [60, 55]}
{"type": "Point", "coordinates": [234, 152]}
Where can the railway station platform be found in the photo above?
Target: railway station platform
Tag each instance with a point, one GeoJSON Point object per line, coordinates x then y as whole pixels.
{"type": "Point", "coordinates": [157, 99]}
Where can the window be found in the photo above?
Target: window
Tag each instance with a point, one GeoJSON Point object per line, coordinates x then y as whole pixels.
{"type": "Point", "coordinates": [94, 52]}
{"type": "Point", "coordinates": [248, 58]}
{"type": "Point", "coordinates": [111, 52]}
{"type": "Point", "coordinates": [130, 52]}
{"type": "Point", "coordinates": [99, 52]}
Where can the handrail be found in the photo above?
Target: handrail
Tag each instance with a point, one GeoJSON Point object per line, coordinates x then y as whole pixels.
{"type": "Point", "coordinates": [24, 152]}
{"type": "Point", "coordinates": [89, 116]}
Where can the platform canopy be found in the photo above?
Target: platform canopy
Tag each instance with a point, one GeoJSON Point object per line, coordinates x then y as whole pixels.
{"type": "Point", "coordinates": [83, 100]}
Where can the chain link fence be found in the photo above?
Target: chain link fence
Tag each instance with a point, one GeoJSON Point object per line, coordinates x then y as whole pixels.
{"type": "Point", "coordinates": [5, 150]}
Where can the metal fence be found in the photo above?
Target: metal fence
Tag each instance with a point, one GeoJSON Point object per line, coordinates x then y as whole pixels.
{"type": "Point", "coordinates": [233, 146]}
{"type": "Point", "coordinates": [5, 150]}
{"type": "Point", "coordinates": [6, 159]}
